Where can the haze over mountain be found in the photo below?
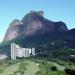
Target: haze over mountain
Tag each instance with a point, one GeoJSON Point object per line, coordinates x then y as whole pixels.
{"type": "Point", "coordinates": [33, 24]}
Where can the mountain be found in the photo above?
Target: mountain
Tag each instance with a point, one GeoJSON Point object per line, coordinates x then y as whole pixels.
{"type": "Point", "coordinates": [33, 24]}
{"type": "Point", "coordinates": [34, 30]}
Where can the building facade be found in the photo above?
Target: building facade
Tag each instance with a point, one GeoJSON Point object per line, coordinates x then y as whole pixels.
{"type": "Point", "coordinates": [17, 51]}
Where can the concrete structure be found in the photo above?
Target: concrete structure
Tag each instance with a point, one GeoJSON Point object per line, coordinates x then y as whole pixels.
{"type": "Point", "coordinates": [17, 51]}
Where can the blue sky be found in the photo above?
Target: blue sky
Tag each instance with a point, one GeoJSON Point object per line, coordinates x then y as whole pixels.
{"type": "Point", "coordinates": [55, 10]}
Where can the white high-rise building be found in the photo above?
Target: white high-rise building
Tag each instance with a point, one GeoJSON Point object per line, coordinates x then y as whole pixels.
{"type": "Point", "coordinates": [17, 51]}
{"type": "Point", "coordinates": [13, 51]}
{"type": "Point", "coordinates": [33, 51]}
{"type": "Point", "coordinates": [24, 52]}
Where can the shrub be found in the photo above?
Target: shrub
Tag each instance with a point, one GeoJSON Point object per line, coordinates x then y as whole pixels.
{"type": "Point", "coordinates": [1, 68]}
{"type": "Point", "coordinates": [70, 71]}
{"type": "Point", "coordinates": [22, 67]}
{"type": "Point", "coordinates": [53, 68]}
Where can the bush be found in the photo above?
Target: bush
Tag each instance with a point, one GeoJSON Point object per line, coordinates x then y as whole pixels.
{"type": "Point", "coordinates": [22, 67]}
{"type": "Point", "coordinates": [70, 71]}
{"type": "Point", "coordinates": [1, 68]}
{"type": "Point", "coordinates": [38, 72]}
{"type": "Point", "coordinates": [53, 68]}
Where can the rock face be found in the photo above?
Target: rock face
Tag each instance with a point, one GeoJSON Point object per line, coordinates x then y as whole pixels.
{"type": "Point", "coordinates": [33, 24]}
{"type": "Point", "coordinates": [13, 30]}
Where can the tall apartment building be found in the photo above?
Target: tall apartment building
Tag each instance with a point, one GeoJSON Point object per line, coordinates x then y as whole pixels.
{"type": "Point", "coordinates": [13, 51]}
{"type": "Point", "coordinates": [17, 51]}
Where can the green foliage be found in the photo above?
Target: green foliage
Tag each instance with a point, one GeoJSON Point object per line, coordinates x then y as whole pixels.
{"type": "Point", "coordinates": [47, 68]}
{"type": "Point", "coordinates": [11, 62]}
{"type": "Point", "coordinates": [62, 63]}
{"type": "Point", "coordinates": [53, 68]}
{"type": "Point", "coordinates": [22, 67]}
{"type": "Point", "coordinates": [1, 68]}
{"type": "Point", "coordinates": [6, 63]}
{"type": "Point", "coordinates": [70, 71]}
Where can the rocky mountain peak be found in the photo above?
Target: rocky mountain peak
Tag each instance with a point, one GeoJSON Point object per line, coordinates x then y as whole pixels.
{"type": "Point", "coordinates": [34, 23]}
{"type": "Point", "coordinates": [41, 13]}
{"type": "Point", "coordinates": [16, 22]}
{"type": "Point", "coordinates": [60, 26]}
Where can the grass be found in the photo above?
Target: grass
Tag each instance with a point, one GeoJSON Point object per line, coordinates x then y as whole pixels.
{"type": "Point", "coordinates": [32, 68]}
{"type": "Point", "coordinates": [58, 66]}
{"type": "Point", "coordinates": [9, 70]}
{"type": "Point", "coordinates": [46, 68]}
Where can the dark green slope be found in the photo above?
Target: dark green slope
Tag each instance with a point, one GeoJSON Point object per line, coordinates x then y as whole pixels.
{"type": "Point", "coordinates": [46, 42]}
